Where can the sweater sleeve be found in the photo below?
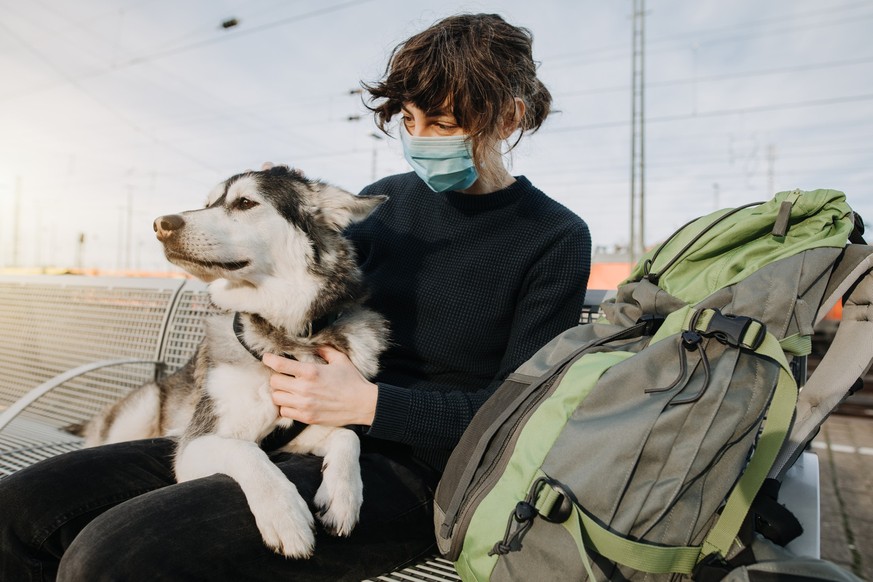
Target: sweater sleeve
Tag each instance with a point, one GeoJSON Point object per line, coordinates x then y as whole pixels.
{"type": "Point", "coordinates": [550, 302]}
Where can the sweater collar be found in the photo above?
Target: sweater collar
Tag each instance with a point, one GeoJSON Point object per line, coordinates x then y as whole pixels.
{"type": "Point", "coordinates": [488, 201]}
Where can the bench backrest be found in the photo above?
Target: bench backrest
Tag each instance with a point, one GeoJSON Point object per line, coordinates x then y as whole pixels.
{"type": "Point", "coordinates": [51, 324]}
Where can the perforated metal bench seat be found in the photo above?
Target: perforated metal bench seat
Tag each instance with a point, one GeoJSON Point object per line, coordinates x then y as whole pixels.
{"type": "Point", "coordinates": [434, 569]}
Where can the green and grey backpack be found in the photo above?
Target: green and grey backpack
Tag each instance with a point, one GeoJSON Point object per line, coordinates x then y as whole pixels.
{"type": "Point", "coordinates": [633, 447]}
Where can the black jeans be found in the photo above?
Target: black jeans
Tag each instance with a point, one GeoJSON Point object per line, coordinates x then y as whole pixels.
{"type": "Point", "coordinates": [116, 513]}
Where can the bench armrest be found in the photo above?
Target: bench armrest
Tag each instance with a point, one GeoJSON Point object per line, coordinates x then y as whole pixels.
{"type": "Point", "coordinates": [22, 403]}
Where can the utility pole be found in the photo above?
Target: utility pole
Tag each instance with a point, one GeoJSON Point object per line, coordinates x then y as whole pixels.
{"type": "Point", "coordinates": [16, 222]}
{"type": "Point", "coordinates": [128, 243]}
{"type": "Point", "coordinates": [638, 136]}
{"type": "Point", "coordinates": [376, 137]}
{"type": "Point", "coordinates": [80, 251]}
{"type": "Point", "coordinates": [374, 167]}
{"type": "Point", "coordinates": [119, 247]}
{"type": "Point", "coordinates": [771, 169]}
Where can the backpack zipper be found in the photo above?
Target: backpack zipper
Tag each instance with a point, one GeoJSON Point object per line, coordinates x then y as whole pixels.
{"type": "Point", "coordinates": [457, 512]}
{"type": "Point", "coordinates": [480, 488]}
{"type": "Point", "coordinates": [655, 277]}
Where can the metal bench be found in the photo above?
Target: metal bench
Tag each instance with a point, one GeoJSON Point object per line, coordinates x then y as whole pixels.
{"type": "Point", "coordinates": [70, 345]}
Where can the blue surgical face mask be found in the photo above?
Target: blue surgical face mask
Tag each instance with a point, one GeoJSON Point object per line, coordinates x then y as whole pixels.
{"type": "Point", "coordinates": [444, 162]}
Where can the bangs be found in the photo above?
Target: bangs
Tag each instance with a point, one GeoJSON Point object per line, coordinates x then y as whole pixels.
{"type": "Point", "coordinates": [476, 66]}
{"type": "Point", "coordinates": [448, 69]}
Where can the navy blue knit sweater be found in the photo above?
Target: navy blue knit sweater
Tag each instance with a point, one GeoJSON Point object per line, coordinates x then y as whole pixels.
{"type": "Point", "coordinates": [472, 286]}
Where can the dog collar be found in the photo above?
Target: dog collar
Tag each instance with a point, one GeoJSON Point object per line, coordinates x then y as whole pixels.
{"type": "Point", "coordinates": [281, 436]}
{"type": "Point", "coordinates": [238, 332]}
{"type": "Point", "coordinates": [312, 328]}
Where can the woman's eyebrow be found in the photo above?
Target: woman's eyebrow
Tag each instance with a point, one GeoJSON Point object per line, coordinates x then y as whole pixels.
{"type": "Point", "coordinates": [438, 112]}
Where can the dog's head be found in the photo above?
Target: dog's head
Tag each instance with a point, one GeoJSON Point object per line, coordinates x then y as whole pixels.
{"type": "Point", "coordinates": [263, 224]}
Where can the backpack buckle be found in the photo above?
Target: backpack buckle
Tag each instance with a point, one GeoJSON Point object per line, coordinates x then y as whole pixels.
{"type": "Point", "coordinates": [711, 568]}
{"type": "Point", "coordinates": [653, 323]}
{"type": "Point", "coordinates": [736, 331]}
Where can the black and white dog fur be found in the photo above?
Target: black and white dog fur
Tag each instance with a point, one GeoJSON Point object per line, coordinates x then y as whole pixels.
{"type": "Point", "coordinates": [270, 244]}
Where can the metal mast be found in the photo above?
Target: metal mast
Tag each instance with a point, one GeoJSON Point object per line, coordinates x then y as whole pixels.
{"type": "Point", "coordinates": [16, 223]}
{"type": "Point", "coordinates": [638, 151]}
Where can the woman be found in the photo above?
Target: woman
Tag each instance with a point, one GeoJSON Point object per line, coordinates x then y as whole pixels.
{"type": "Point", "coordinates": [475, 270]}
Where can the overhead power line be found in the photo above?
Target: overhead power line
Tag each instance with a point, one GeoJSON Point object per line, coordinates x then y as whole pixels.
{"type": "Point", "coordinates": [725, 76]}
{"type": "Point", "coordinates": [584, 56]}
{"type": "Point", "coordinates": [103, 104]}
{"type": "Point", "coordinates": [222, 37]}
{"type": "Point", "coordinates": [718, 113]}
{"type": "Point", "coordinates": [710, 32]}
{"type": "Point", "coordinates": [241, 32]}
{"type": "Point", "coordinates": [239, 112]}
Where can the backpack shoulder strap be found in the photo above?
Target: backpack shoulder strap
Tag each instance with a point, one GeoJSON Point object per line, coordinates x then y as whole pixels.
{"type": "Point", "coordinates": [848, 357]}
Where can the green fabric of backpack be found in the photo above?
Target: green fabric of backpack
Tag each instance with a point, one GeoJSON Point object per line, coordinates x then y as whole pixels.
{"type": "Point", "coordinates": [633, 447]}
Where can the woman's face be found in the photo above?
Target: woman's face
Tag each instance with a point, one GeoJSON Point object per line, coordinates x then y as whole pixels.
{"type": "Point", "coordinates": [442, 123]}
{"type": "Point", "coordinates": [419, 123]}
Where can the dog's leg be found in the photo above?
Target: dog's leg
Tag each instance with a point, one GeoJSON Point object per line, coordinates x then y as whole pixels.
{"type": "Point", "coordinates": [281, 514]}
{"type": "Point", "coordinates": [136, 416]}
{"type": "Point", "coordinates": [341, 492]}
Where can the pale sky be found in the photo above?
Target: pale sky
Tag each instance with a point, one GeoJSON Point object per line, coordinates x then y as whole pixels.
{"type": "Point", "coordinates": [115, 112]}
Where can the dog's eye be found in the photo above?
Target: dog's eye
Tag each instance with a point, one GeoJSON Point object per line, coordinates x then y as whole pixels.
{"type": "Point", "coordinates": [244, 204]}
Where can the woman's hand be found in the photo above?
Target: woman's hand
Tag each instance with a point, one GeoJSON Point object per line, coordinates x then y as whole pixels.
{"type": "Point", "coordinates": [333, 394]}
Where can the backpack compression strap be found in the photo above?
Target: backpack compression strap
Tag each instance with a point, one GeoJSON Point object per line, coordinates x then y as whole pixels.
{"type": "Point", "coordinates": [589, 533]}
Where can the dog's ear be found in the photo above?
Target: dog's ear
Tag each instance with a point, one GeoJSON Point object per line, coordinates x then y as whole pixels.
{"type": "Point", "coordinates": [282, 170]}
{"type": "Point", "coordinates": [340, 208]}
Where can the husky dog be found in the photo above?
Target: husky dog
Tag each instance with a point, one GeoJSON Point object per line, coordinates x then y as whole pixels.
{"type": "Point", "coordinates": [270, 244]}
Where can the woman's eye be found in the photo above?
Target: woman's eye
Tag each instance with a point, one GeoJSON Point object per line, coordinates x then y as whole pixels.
{"type": "Point", "coordinates": [245, 203]}
{"type": "Point", "coordinates": [446, 127]}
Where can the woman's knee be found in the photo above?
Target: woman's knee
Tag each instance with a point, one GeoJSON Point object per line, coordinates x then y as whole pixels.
{"type": "Point", "coordinates": [119, 544]}
{"type": "Point", "coordinates": [184, 531]}
{"type": "Point", "coordinates": [16, 496]}
{"type": "Point", "coordinates": [36, 503]}
{"type": "Point", "coordinates": [33, 525]}
{"type": "Point", "coordinates": [47, 504]}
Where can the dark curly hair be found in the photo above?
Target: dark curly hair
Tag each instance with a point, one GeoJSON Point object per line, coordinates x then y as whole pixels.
{"type": "Point", "coordinates": [478, 64]}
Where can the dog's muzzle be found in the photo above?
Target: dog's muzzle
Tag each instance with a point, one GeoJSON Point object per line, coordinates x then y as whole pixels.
{"type": "Point", "coordinates": [165, 226]}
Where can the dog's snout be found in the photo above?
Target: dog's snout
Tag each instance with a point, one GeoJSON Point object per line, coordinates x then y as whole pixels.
{"type": "Point", "coordinates": [167, 225]}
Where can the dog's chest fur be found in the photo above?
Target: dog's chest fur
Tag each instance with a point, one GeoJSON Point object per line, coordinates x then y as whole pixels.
{"type": "Point", "coordinates": [238, 385]}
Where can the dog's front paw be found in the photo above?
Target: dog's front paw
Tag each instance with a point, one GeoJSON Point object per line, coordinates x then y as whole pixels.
{"type": "Point", "coordinates": [339, 501]}
{"type": "Point", "coordinates": [286, 524]}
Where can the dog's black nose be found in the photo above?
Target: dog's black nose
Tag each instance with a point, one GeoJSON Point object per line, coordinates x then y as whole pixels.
{"type": "Point", "coordinates": [166, 225]}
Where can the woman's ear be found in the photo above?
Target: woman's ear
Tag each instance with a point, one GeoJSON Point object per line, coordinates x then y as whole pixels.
{"type": "Point", "coordinates": [513, 118]}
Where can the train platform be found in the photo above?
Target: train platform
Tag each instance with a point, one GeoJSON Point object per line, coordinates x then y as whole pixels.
{"type": "Point", "coordinates": [845, 450]}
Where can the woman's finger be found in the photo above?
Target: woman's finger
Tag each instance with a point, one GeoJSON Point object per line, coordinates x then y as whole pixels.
{"type": "Point", "coordinates": [280, 364]}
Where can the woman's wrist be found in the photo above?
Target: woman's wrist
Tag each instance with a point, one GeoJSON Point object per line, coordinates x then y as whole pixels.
{"type": "Point", "coordinates": [367, 404]}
